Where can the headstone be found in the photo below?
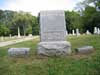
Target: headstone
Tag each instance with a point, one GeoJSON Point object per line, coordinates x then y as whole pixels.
{"type": "Point", "coordinates": [95, 30]}
{"type": "Point", "coordinates": [9, 35]}
{"type": "Point", "coordinates": [2, 38]}
{"type": "Point", "coordinates": [18, 52]}
{"type": "Point", "coordinates": [66, 32]}
{"type": "Point", "coordinates": [15, 36]}
{"type": "Point", "coordinates": [73, 32]}
{"type": "Point", "coordinates": [53, 34]}
{"type": "Point", "coordinates": [85, 50]}
{"type": "Point", "coordinates": [18, 32]}
{"type": "Point", "coordinates": [87, 32]}
{"type": "Point", "coordinates": [98, 31]}
{"type": "Point", "coordinates": [77, 32]}
{"type": "Point", "coordinates": [30, 35]}
{"type": "Point", "coordinates": [98, 8]}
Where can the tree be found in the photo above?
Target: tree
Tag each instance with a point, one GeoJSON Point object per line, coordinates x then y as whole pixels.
{"type": "Point", "coordinates": [3, 30]}
{"type": "Point", "coordinates": [73, 21]}
{"type": "Point", "coordinates": [88, 18]}
{"type": "Point", "coordinates": [22, 20]}
{"type": "Point", "coordinates": [35, 25]}
{"type": "Point", "coordinates": [90, 15]}
{"type": "Point", "coordinates": [27, 23]}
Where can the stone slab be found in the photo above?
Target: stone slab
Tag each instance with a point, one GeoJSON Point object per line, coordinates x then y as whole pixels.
{"type": "Point", "coordinates": [52, 26]}
{"type": "Point", "coordinates": [54, 48]}
{"type": "Point", "coordinates": [85, 50]}
{"type": "Point", "coordinates": [18, 52]}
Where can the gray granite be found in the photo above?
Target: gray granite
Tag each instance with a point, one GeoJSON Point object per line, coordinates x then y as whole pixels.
{"type": "Point", "coordinates": [53, 34]}
{"type": "Point", "coordinates": [18, 52]}
{"type": "Point", "coordinates": [57, 48]}
{"type": "Point", "coordinates": [85, 50]}
{"type": "Point", "coordinates": [52, 25]}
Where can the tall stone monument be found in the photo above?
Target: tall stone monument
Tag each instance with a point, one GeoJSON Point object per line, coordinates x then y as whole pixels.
{"type": "Point", "coordinates": [19, 33]}
{"type": "Point", "coordinates": [53, 34]}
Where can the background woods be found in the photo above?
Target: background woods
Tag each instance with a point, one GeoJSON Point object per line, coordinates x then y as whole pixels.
{"type": "Point", "coordinates": [85, 16]}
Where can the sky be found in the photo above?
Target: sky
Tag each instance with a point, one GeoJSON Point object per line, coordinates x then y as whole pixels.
{"type": "Point", "coordinates": [35, 6]}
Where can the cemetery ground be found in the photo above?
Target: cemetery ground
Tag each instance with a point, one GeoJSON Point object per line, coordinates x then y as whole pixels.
{"type": "Point", "coordinates": [74, 64]}
{"type": "Point", "coordinates": [3, 39]}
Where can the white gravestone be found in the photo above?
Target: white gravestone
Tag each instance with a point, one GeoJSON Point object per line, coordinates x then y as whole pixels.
{"type": "Point", "coordinates": [53, 34]}
{"type": "Point", "coordinates": [87, 32]}
{"type": "Point", "coordinates": [66, 32]}
{"type": "Point", "coordinates": [95, 30]}
{"type": "Point", "coordinates": [19, 33]}
{"type": "Point", "coordinates": [30, 35]}
{"type": "Point", "coordinates": [2, 38]}
{"type": "Point", "coordinates": [77, 32]}
{"type": "Point", "coordinates": [10, 36]}
{"type": "Point", "coordinates": [98, 31]}
{"type": "Point", "coordinates": [73, 32]}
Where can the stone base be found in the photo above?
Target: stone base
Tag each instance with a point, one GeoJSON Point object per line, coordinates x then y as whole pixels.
{"type": "Point", "coordinates": [85, 50]}
{"type": "Point", "coordinates": [18, 52]}
{"type": "Point", "coordinates": [57, 48]}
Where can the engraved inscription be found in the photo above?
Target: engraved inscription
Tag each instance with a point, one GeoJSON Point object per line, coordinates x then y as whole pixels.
{"type": "Point", "coordinates": [52, 26]}
{"type": "Point", "coordinates": [53, 36]}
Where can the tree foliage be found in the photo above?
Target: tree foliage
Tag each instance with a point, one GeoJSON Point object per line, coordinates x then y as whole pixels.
{"type": "Point", "coordinates": [73, 20]}
{"type": "Point", "coordinates": [24, 20]}
{"type": "Point", "coordinates": [90, 15]}
{"type": "Point", "coordinates": [4, 30]}
{"type": "Point", "coordinates": [84, 17]}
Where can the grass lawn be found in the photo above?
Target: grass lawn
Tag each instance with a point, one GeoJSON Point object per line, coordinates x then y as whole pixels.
{"type": "Point", "coordinates": [68, 65]}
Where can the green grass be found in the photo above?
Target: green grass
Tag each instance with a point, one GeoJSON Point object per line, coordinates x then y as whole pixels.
{"type": "Point", "coordinates": [68, 65]}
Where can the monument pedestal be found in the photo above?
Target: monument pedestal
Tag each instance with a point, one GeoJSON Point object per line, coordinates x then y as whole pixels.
{"type": "Point", "coordinates": [55, 48]}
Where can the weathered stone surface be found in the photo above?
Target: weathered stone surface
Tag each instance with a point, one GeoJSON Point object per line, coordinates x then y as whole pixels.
{"type": "Point", "coordinates": [85, 50]}
{"type": "Point", "coordinates": [18, 52]}
{"type": "Point", "coordinates": [52, 26]}
{"type": "Point", "coordinates": [53, 34]}
{"type": "Point", "coordinates": [54, 48]}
